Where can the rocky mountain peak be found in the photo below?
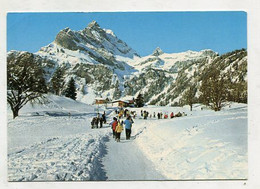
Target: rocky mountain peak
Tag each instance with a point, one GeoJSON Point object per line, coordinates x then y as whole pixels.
{"type": "Point", "coordinates": [157, 52]}
{"type": "Point", "coordinates": [93, 25]}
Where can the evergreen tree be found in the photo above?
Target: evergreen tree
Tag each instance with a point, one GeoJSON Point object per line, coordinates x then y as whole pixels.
{"type": "Point", "coordinates": [25, 81]}
{"type": "Point", "coordinates": [117, 92]}
{"type": "Point", "coordinates": [71, 89]}
{"type": "Point", "coordinates": [57, 81]}
{"type": "Point", "coordinates": [139, 101]}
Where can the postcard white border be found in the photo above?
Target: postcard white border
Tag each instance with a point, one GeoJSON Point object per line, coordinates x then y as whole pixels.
{"type": "Point", "coordinates": [251, 7]}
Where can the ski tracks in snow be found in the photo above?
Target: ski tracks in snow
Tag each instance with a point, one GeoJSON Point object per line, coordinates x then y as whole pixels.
{"type": "Point", "coordinates": [60, 159]}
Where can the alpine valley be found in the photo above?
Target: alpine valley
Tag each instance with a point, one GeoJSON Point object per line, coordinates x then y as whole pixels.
{"type": "Point", "coordinates": [102, 65]}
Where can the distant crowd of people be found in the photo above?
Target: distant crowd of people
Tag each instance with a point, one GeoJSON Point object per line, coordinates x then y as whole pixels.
{"type": "Point", "coordinates": [145, 114]}
{"type": "Point", "coordinates": [124, 119]}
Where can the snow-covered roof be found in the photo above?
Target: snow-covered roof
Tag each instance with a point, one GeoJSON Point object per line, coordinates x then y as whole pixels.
{"type": "Point", "coordinates": [119, 100]}
{"type": "Point", "coordinates": [100, 98]}
{"type": "Point", "coordinates": [127, 98]}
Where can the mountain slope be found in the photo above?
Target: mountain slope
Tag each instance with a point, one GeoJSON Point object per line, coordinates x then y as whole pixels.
{"type": "Point", "coordinates": [104, 66]}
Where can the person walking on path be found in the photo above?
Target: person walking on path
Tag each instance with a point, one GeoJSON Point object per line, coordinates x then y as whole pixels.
{"type": "Point", "coordinates": [93, 122]}
{"type": "Point", "coordinates": [158, 115]}
{"type": "Point", "coordinates": [104, 117]}
{"type": "Point", "coordinates": [128, 127]}
{"type": "Point", "coordinates": [118, 130]}
{"type": "Point", "coordinates": [96, 122]}
{"type": "Point", "coordinates": [101, 122]}
{"type": "Point", "coordinates": [113, 126]}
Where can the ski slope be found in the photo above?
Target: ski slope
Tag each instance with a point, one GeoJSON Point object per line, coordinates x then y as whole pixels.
{"type": "Point", "coordinates": [54, 142]}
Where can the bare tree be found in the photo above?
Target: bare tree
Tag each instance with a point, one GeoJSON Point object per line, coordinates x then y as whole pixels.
{"type": "Point", "coordinates": [214, 90]}
{"type": "Point", "coordinates": [189, 96]}
{"type": "Point", "coordinates": [25, 81]}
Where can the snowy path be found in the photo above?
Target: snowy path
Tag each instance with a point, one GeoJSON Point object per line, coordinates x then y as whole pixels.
{"type": "Point", "coordinates": [125, 161]}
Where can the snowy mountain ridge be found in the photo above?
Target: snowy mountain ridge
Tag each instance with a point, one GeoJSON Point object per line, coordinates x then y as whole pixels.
{"type": "Point", "coordinates": [105, 66]}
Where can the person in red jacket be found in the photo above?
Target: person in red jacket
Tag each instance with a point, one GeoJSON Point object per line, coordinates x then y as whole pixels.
{"type": "Point", "coordinates": [113, 126]}
{"type": "Point", "coordinates": [171, 115]}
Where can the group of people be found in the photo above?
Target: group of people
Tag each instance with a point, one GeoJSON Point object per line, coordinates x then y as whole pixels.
{"type": "Point", "coordinates": [145, 114]}
{"type": "Point", "coordinates": [124, 113]}
{"type": "Point", "coordinates": [117, 123]}
{"type": "Point", "coordinates": [117, 127]}
{"type": "Point", "coordinates": [98, 121]}
{"type": "Point", "coordinates": [160, 115]}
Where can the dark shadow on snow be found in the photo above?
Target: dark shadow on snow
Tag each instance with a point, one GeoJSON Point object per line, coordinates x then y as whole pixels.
{"type": "Point", "coordinates": [99, 173]}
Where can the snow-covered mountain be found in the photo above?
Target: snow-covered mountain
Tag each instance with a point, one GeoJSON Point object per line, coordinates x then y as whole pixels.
{"type": "Point", "coordinates": [105, 66]}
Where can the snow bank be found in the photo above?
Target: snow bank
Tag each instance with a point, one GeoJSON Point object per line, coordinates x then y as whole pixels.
{"type": "Point", "coordinates": [202, 145]}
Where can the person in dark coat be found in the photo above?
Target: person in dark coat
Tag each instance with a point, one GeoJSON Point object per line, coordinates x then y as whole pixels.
{"type": "Point", "coordinates": [158, 115]}
{"type": "Point", "coordinates": [104, 118]}
{"type": "Point", "coordinates": [101, 122]}
{"type": "Point", "coordinates": [93, 122]}
{"type": "Point", "coordinates": [96, 122]}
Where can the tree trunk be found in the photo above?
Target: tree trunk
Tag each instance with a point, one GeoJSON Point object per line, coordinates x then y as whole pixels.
{"type": "Point", "coordinates": [15, 112]}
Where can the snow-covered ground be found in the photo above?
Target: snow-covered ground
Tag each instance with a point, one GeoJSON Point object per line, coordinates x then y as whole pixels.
{"type": "Point", "coordinates": [55, 142]}
{"type": "Point", "coordinates": [202, 145]}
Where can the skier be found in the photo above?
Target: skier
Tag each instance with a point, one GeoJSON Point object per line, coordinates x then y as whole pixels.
{"type": "Point", "coordinates": [128, 126]}
{"type": "Point", "coordinates": [118, 130]}
{"type": "Point", "coordinates": [153, 114]}
{"type": "Point", "coordinates": [113, 126]}
{"type": "Point", "coordinates": [165, 116]}
{"type": "Point", "coordinates": [171, 115]}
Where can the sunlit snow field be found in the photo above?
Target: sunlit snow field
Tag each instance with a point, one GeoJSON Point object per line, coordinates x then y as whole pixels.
{"type": "Point", "coordinates": [55, 142]}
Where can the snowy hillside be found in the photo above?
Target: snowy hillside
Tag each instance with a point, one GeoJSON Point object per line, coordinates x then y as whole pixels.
{"type": "Point", "coordinates": [171, 62]}
{"type": "Point", "coordinates": [54, 142]}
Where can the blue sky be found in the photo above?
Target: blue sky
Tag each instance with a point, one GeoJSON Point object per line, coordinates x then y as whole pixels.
{"type": "Point", "coordinates": [143, 31]}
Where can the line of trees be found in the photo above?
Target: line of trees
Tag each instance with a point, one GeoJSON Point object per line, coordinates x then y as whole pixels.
{"type": "Point", "coordinates": [215, 90]}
